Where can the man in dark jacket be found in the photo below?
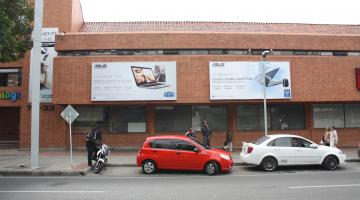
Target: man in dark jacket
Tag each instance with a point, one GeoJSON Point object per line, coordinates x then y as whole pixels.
{"type": "Point", "coordinates": [206, 132]}
{"type": "Point", "coordinates": [93, 139]}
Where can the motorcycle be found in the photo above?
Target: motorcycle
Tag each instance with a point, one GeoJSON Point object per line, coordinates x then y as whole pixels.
{"type": "Point", "coordinates": [101, 158]}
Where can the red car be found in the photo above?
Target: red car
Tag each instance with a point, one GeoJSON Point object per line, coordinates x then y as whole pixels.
{"type": "Point", "coordinates": [181, 153]}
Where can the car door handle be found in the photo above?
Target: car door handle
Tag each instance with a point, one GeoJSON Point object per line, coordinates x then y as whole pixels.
{"type": "Point", "coordinates": [178, 153]}
{"type": "Point", "coordinates": [154, 151]}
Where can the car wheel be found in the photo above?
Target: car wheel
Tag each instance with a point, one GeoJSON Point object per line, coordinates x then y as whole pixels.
{"type": "Point", "coordinates": [212, 168]}
{"type": "Point", "coordinates": [148, 167]}
{"type": "Point", "coordinates": [330, 163]}
{"type": "Point", "coordinates": [269, 164]}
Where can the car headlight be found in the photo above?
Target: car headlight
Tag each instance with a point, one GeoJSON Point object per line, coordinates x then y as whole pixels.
{"type": "Point", "coordinates": [225, 157]}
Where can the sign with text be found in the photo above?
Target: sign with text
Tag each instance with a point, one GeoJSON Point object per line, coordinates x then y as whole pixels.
{"type": "Point", "coordinates": [127, 81]}
{"type": "Point", "coordinates": [244, 80]}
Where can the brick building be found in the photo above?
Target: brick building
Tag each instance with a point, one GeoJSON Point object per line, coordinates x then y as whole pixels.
{"type": "Point", "coordinates": [321, 60]}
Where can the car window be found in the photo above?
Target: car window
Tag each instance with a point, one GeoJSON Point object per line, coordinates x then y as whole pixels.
{"type": "Point", "coordinates": [260, 140]}
{"type": "Point", "coordinates": [299, 142]}
{"type": "Point", "coordinates": [183, 145]}
{"type": "Point", "coordinates": [281, 142]}
{"type": "Point", "coordinates": [162, 144]}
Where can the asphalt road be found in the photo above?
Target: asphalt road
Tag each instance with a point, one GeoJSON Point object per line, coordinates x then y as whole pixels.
{"type": "Point", "coordinates": [244, 182]}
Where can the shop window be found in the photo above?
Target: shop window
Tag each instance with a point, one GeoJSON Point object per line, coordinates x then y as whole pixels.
{"type": "Point", "coordinates": [352, 115]}
{"type": "Point", "coordinates": [250, 117]}
{"type": "Point", "coordinates": [172, 118]}
{"type": "Point", "coordinates": [287, 117]}
{"type": "Point", "coordinates": [89, 117]}
{"type": "Point", "coordinates": [128, 119]}
{"type": "Point", "coordinates": [10, 77]}
{"type": "Point", "coordinates": [216, 116]}
{"type": "Point", "coordinates": [279, 117]}
{"type": "Point", "coordinates": [328, 115]}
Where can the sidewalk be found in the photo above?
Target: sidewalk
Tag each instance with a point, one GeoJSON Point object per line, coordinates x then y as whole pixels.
{"type": "Point", "coordinates": [58, 163]}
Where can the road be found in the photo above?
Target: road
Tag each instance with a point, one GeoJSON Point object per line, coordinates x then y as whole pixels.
{"type": "Point", "coordinates": [244, 182]}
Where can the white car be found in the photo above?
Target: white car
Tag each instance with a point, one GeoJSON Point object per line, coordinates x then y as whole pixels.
{"type": "Point", "coordinates": [271, 151]}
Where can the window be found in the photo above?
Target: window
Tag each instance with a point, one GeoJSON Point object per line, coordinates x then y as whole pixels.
{"type": "Point", "coordinates": [285, 117]}
{"type": "Point", "coordinates": [298, 142]}
{"type": "Point", "coordinates": [89, 117]}
{"type": "Point", "coordinates": [261, 140]}
{"type": "Point", "coordinates": [328, 115]}
{"type": "Point", "coordinates": [127, 119]}
{"type": "Point", "coordinates": [250, 117]}
{"type": "Point", "coordinates": [183, 145]}
{"type": "Point", "coordinates": [10, 77]}
{"type": "Point", "coordinates": [352, 115]}
{"type": "Point", "coordinates": [172, 118]}
{"type": "Point", "coordinates": [216, 116]}
{"type": "Point", "coordinates": [281, 142]}
{"type": "Point", "coordinates": [162, 144]}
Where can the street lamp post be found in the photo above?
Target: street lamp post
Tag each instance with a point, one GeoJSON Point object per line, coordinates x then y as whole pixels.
{"type": "Point", "coordinates": [263, 59]}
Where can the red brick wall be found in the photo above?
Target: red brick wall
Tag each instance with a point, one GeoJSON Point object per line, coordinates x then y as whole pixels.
{"type": "Point", "coordinates": [88, 41]}
{"type": "Point", "coordinates": [313, 79]}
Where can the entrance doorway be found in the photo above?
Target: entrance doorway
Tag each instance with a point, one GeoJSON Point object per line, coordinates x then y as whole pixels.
{"type": "Point", "coordinates": [9, 127]}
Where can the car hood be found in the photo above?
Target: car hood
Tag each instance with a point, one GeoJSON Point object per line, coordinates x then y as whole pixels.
{"type": "Point", "coordinates": [215, 150]}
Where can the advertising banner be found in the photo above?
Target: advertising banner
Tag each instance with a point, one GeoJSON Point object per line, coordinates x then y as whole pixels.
{"type": "Point", "coordinates": [46, 69]}
{"type": "Point", "coordinates": [244, 80]}
{"type": "Point", "coordinates": [127, 81]}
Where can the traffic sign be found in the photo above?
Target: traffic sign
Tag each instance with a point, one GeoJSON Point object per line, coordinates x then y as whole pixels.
{"type": "Point", "coordinates": [69, 114]}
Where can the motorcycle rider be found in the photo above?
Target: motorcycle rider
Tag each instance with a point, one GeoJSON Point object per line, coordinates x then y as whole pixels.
{"type": "Point", "coordinates": [93, 139]}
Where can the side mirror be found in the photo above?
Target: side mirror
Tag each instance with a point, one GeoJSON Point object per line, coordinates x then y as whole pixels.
{"type": "Point", "coordinates": [313, 146]}
{"type": "Point", "coordinates": [196, 150]}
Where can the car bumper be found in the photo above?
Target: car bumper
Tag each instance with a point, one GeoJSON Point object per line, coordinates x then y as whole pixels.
{"type": "Point", "coordinates": [342, 158]}
{"type": "Point", "coordinates": [226, 165]}
{"type": "Point", "coordinates": [249, 158]}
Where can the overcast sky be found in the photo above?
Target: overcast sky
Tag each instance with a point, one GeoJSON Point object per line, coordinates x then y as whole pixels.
{"type": "Point", "coordinates": [277, 11]}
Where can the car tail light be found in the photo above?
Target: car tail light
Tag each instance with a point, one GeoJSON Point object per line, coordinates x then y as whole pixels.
{"type": "Point", "coordinates": [250, 149]}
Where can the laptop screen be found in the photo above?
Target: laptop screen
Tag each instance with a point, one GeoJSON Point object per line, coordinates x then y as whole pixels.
{"type": "Point", "coordinates": [143, 75]}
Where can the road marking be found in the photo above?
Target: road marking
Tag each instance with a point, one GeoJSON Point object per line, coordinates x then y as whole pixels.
{"type": "Point", "coordinates": [43, 191]}
{"type": "Point", "coordinates": [140, 176]}
{"type": "Point", "coordinates": [324, 186]}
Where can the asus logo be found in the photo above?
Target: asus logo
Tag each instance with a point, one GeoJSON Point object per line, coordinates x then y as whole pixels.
{"type": "Point", "coordinates": [218, 65]}
{"type": "Point", "coordinates": [100, 66]}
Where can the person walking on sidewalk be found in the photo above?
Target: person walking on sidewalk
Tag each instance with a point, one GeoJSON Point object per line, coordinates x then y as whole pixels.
{"type": "Point", "coordinates": [333, 137]}
{"type": "Point", "coordinates": [326, 137]}
{"type": "Point", "coordinates": [228, 144]}
{"type": "Point", "coordinates": [206, 133]}
{"type": "Point", "coordinates": [93, 139]}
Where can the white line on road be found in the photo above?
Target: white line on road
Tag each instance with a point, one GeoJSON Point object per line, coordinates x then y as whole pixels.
{"type": "Point", "coordinates": [324, 186]}
{"type": "Point", "coordinates": [178, 176]}
{"type": "Point", "coordinates": [44, 191]}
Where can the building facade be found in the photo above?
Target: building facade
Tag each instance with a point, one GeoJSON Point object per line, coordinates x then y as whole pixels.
{"type": "Point", "coordinates": [201, 62]}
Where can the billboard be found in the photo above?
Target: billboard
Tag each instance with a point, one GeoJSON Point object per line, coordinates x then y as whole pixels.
{"type": "Point", "coordinates": [244, 80]}
{"type": "Point", "coordinates": [48, 54]}
{"type": "Point", "coordinates": [127, 81]}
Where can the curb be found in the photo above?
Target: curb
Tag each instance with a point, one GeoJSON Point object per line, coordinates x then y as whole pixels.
{"type": "Point", "coordinates": [44, 173]}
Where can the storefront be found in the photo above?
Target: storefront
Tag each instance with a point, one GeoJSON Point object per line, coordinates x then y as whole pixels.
{"type": "Point", "coordinates": [203, 71]}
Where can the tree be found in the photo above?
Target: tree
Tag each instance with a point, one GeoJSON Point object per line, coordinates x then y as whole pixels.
{"type": "Point", "coordinates": [16, 26]}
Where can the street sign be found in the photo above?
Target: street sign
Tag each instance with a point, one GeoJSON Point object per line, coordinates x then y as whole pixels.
{"type": "Point", "coordinates": [69, 114]}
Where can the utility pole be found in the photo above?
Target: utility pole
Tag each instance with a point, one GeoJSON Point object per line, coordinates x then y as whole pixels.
{"type": "Point", "coordinates": [35, 62]}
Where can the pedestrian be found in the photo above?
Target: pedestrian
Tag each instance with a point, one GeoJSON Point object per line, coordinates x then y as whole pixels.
{"type": "Point", "coordinates": [228, 144]}
{"type": "Point", "coordinates": [206, 133]}
{"type": "Point", "coordinates": [326, 137]}
{"type": "Point", "coordinates": [93, 139]}
{"type": "Point", "coordinates": [333, 137]}
{"type": "Point", "coordinates": [190, 133]}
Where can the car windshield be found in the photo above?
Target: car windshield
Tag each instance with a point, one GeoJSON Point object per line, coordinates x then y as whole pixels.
{"type": "Point", "coordinates": [201, 144]}
{"type": "Point", "coordinates": [260, 140]}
